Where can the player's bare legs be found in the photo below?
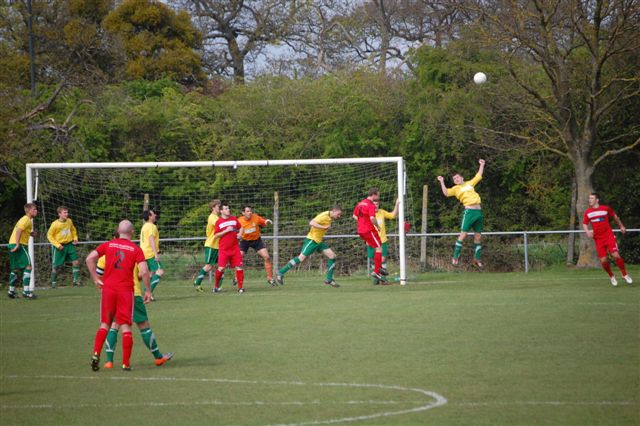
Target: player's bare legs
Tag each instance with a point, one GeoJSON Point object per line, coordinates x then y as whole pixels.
{"type": "Point", "coordinates": [268, 266]}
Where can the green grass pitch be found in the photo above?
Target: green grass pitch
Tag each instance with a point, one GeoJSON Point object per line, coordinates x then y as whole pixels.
{"type": "Point", "coordinates": [559, 347]}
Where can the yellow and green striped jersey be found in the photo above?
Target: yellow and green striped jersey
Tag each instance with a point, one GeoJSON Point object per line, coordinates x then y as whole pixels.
{"type": "Point", "coordinates": [149, 229]}
{"type": "Point", "coordinates": [466, 193]}
{"type": "Point", "coordinates": [62, 232]}
{"type": "Point", "coordinates": [317, 234]}
{"type": "Point", "coordinates": [381, 215]}
{"type": "Point", "coordinates": [211, 225]}
{"type": "Point", "coordinates": [26, 224]}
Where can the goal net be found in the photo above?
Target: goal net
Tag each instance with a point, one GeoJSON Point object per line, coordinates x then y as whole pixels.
{"type": "Point", "coordinates": [290, 192]}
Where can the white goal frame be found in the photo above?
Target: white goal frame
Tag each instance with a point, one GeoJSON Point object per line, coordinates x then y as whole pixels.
{"type": "Point", "coordinates": [33, 168]}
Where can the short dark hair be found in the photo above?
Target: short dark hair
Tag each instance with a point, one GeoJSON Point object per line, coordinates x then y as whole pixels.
{"type": "Point", "coordinates": [245, 207]}
{"type": "Point", "coordinates": [595, 194]}
{"type": "Point", "coordinates": [145, 214]}
{"type": "Point", "coordinates": [374, 191]}
{"type": "Point", "coordinates": [224, 203]}
{"type": "Point", "coordinates": [336, 207]}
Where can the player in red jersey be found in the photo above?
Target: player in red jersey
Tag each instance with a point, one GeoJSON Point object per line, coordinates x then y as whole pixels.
{"type": "Point", "coordinates": [365, 214]}
{"type": "Point", "coordinates": [228, 230]}
{"type": "Point", "coordinates": [598, 216]}
{"type": "Point", "coordinates": [116, 286]}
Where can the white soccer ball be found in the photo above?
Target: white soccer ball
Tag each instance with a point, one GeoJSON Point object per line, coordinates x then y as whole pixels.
{"type": "Point", "coordinates": [480, 78]}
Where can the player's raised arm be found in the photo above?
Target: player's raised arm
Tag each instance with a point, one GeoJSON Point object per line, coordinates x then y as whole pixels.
{"type": "Point", "coordinates": [481, 168]}
{"type": "Point", "coordinates": [394, 213]}
{"type": "Point", "coordinates": [443, 186]}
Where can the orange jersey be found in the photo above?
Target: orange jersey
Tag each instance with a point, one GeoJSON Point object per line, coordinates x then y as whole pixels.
{"type": "Point", "coordinates": [251, 226]}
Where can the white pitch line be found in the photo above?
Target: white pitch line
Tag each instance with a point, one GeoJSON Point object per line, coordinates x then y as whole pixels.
{"type": "Point", "coordinates": [560, 403]}
{"type": "Point", "coordinates": [438, 400]}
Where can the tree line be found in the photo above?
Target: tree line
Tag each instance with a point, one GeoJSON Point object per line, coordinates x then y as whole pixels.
{"type": "Point", "coordinates": [140, 80]}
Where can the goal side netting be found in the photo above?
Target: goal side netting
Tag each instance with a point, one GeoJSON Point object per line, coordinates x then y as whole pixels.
{"type": "Point", "coordinates": [290, 192]}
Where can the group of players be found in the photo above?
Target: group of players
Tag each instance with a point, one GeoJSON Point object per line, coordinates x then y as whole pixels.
{"type": "Point", "coordinates": [117, 266]}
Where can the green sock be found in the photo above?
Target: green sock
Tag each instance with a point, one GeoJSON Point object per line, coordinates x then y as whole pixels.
{"type": "Point", "coordinates": [75, 270]}
{"type": "Point", "coordinates": [54, 278]}
{"type": "Point", "coordinates": [200, 277]}
{"type": "Point", "coordinates": [13, 279]}
{"type": "Point", "coordinates": [478, 251]}
{"type": "Point", "coordinates": [112, 338]}
{"type": "Point", "coordinates": [457, 249]}
{"type": "Point", "coordinates": [149, 340]}
{"type": "Point", "coordinates": [293, 262]}
{"type": "Point", "coordinates": [155, 280]}
{"type": "Point", "coordinates": [331, 265]}
{"type": "Point", "coordinates": [26, 278]}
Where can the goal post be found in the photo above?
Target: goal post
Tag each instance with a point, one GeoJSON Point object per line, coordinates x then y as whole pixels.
{"type": "Point", "coordinates": [187, 186]}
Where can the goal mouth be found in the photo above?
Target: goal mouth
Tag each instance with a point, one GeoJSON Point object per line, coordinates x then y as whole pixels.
{"type": "Point", "coordinates": [289, 192]}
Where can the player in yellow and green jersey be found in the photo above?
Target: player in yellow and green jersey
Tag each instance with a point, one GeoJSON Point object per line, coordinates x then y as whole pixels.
{"type": "Point", "coordinates": [140, 317]}
{"type": "Point", "coordinates": [63, 237]}
{"type": "Point", "coordinates": [472, 217]}
{"type": "Point", "coordinates": [19, 260]}
{"type": "Point", "coordinates": [381, 216]}
{"type": "Point", "coordinates": [314, 243]}
{"type": "Point", "coordinates": [210, 245]}
{"type": "Point", "coordinates": [150, 245]}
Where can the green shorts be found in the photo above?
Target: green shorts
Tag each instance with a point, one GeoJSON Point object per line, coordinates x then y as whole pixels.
{"type": "Point", "coordinates": [472, 219]}
{"type": "Point", "coordinates": [371, 251]}
{"type": "Point", "coordinates": [153, 265]}
{"type": "Point", "coordinates": [18, 259]}
{"type": "Point", "coordinates": [139, 310]}
{"type": "Point", "coordinates": [210, 256]}
{"type": "Point", "coordinates": [309, 247]}
{"type": "Point", "coordinates": [66, 254]}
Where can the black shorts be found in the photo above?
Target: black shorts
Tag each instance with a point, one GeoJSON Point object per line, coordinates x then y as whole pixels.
{"type": "Point", "coordinates": [257, 245]}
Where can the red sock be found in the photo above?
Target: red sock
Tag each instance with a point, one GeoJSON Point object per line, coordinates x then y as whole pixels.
{"type": "Point", "coordinates": [620, 264]}
{"type": "Point", "coordinates": [240, 277]}
{"type": "Point", "coordinates": [607, 267]}
{"type": "Point", "coordinates": [101, 336]}
{"type": "Point", "coordinates": [377, 262]}
{"type": "Point", "coordinates": [218, 277]}
{"type": "Point", "coordinates": [127, 346]}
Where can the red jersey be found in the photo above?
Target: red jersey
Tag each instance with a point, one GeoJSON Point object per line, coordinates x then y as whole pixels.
{"type": "Point", "coordinates": [121, 257]}
{"type": "Point", "coordinates": [364, 211]}
{"type": "Point", "coordinates": [599, 220]}
{"type": "Point", "coordinates": [228, 242]}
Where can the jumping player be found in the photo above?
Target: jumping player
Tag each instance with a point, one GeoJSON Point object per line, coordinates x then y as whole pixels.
{"type": "Point", "coordinates": [210, 246]}
{"type": "Point", "coordinates": [368, 228]}
{"type": "Point", "coordinates": [116, 286]}
{"type": "Point", "coordinates": [472, 216]}
{"type": "Point", "coordinates": [228, 230]}
{"type": "Point", "coordinates": [598, 216]}
{"type": "Point", "coordinates": [63, 237]}
{"type": "Point", "coordinates": [314, 243]}
{"type": "Point", "coordinates": [19, 260]}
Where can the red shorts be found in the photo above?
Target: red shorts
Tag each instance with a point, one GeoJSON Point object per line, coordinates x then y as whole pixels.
{"type": "Point", "coordinates": [234, 258]}
{"type": "Point", "coordinates": [607, 243]}
{"type": "Point", "coordinates": [116, 304]}
{"type": "Point", "coordinates": [372, 238]}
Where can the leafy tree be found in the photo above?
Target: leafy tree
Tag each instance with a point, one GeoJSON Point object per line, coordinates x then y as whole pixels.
{"type": "Point", "coordinates": [158, 42]}
{"type": "Point", "coordinates": [587, 54]}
